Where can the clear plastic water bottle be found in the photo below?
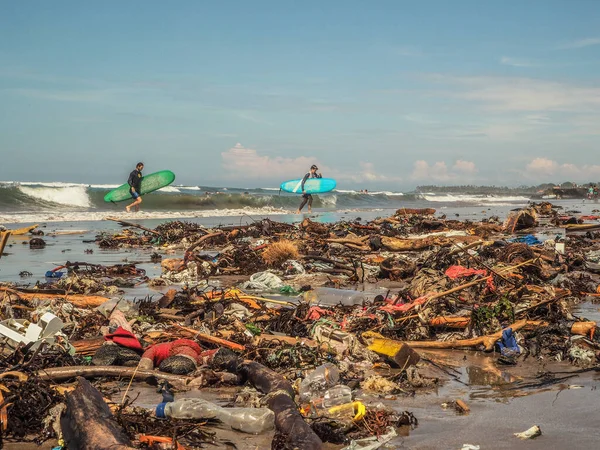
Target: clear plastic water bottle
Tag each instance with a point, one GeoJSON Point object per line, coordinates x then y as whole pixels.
{"type": "Point", "coordinates": [337, 395]}
{"type": "Point", "coordinates": [331, 296]}
{"type": "Point", "coordinates": [248, 420]}
{"type": "Point", "coordinates": [318, 381]}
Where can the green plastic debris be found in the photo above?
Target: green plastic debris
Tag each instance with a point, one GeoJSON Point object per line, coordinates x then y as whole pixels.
{"type": "Point", "coordinates": [253, 329]}
{"type": "Point", "coordinates": [288, 290]}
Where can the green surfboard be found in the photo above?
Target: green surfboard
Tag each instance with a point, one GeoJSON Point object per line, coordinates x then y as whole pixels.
{"type": "Point", "coordinates": [150, 183]}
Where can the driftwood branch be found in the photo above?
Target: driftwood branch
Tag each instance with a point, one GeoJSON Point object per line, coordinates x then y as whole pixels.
{"type": "Point", "coordinates": [487, 341]}
{"type": "Point", "coordinates": [78, 300]}
{"type": "Point", "coordinates": [133, 225]}
{"type": "Point", "coordinates": [66, 373]}
{"type": "Point", "coordinates": [192, 247]}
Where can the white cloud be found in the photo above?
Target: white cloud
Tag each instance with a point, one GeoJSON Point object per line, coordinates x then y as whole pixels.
{"type": "Point", "coordinates": [464, 166]}
{"type": "Point", "coordinates": [439, 171]}
{"type": "Point", "coordinates": [515, 62]}
{"type": "Point", "coordinates": [246, 163]}
{"type": "Point", "coordinates": [542, 168]}
{"type": "Point", "coordinates": [580, 43]}
{"type": "Point", "coordinates": [507, 94]}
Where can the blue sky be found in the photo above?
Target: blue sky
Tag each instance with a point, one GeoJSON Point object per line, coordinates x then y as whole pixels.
{"type": "Point", "coordinates": [388, 94]}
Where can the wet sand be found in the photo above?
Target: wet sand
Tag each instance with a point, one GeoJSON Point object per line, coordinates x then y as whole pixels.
{"type": "Point", "coordinates": [566, 412]}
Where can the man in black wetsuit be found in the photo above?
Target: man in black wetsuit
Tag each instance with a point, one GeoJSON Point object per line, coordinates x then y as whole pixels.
{"type": "Point", "coordinates": [135, 181]}
{"type": "Point", "coordinates": [307, 198]}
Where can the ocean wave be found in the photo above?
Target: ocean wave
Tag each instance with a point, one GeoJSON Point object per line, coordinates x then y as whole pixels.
{"type": "Point", "coordinates": [328, 200]}
{"type": "Point", "coordinates": [169, 189]}
{"type": "Point", "coordinates": [75, 195]}
{"type": "Point", "coordinates": [188, 188]}
{"type": "Point", "coordinates": [388, 193]}
{"type": "Point", "coordinates": [104, 186]}
{"type": "Point", "coordinates": [34, 197]}
{"type": "Point", "coordinates": [85, 216]}
{"type": "Point", "coordinates": [475, 199]}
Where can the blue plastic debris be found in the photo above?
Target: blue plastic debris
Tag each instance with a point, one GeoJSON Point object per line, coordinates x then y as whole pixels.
{"type": "Point", "coordinates": [51, 274]}
{"type": "Point", "coordinates": [508, 344]}
{"type": "Point", "coordinates": [530, 239]}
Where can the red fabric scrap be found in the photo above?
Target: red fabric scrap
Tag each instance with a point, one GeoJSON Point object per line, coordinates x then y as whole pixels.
{"type": "Point", "coordinates": [403, 307]}
{"type": "Point", "coordinates": [124, 338]}
{"type": "Point", "coordinates": [159, 352]}
{"type": "Point", "coordinates": [454, 272]}
{"type": "Point", "coordinates": [315, 313]}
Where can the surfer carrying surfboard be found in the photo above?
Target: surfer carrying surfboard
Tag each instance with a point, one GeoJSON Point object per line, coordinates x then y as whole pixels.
{"type": "Point", "coordinates": [307, 198]}
{"type": "Point", "coordinates": [135, 182]}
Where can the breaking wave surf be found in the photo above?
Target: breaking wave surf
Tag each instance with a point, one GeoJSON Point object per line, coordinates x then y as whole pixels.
{"type": "Point", "coordinates": [59, 198]}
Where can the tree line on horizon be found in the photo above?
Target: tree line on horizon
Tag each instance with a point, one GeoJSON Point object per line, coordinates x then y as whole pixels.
{"type": "Point", "coordinates": [493, 189]}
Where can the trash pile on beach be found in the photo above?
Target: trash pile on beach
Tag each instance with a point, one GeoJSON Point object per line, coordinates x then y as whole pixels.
{"type": "Point", "coordinates": [321, 328]}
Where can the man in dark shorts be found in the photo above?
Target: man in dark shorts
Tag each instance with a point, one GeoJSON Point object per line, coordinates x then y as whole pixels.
{"type": "Point", "coordinates": [307, 198]}
{"type": "Point", "coordinates": [135, 182]}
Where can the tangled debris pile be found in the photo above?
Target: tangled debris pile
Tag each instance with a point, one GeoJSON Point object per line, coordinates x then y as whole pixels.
{"type": "Point", "coordinates": [318, 353]}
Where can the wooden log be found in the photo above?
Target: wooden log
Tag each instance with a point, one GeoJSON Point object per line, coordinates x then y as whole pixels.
{"type": "Point", "coordinates": [415, 211]}
{"type": "Point", "coordinates": [4, 235]}
{"type": "Point", "coordinates": [358, 241]}
{"type": "Point", "coordinates": [410, 245]}
{"type": "Point", "coordinates": [78, 300]}
{"type": "Point", "coordinates": [66, 373]}
{"type": "Point", "coordinates": [280, 399]}
{"type": "Point", "coordinates": [88, 423]}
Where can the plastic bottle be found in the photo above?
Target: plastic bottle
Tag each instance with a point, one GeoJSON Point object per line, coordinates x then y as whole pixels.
{"type": "Point", "coordinates": [337, 395]}
{"type": "Point", "coordinates": [248, 420]}
{"type": "Point", "coordinates": [331, 296]}
{"type": "Point", "coordinates": [347, 412]}
{"type": "Point", "coordinates": [318, 381]}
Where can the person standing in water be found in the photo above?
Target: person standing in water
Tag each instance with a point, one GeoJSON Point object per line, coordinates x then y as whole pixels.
{"type": "Point", "coordinates": [307, 198]}
{"type": "Point", "coordinates": [135, 182]}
